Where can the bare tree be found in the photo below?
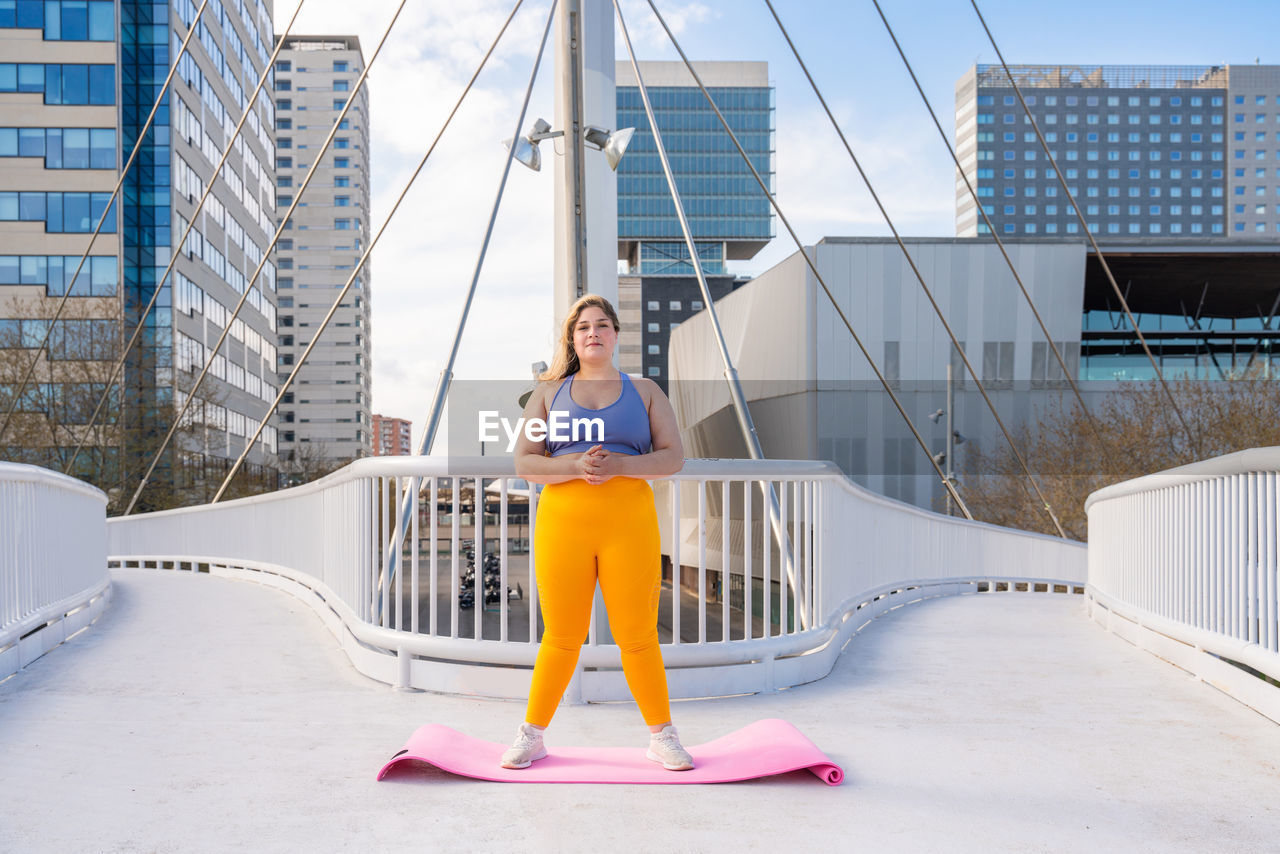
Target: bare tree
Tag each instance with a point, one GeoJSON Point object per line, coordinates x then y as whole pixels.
{"type": "Point", "coordinates": [1140, 435]}
{"type": "Point", "coordinates": [52, 417]}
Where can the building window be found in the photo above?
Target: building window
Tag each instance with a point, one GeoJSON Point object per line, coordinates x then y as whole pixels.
{"type": "Point", "coordinates": [341, 201]}
{"type": "Point", "coordinates": [284, 104]}
{"type": "Point", "coordinates": [340, 65]}
{"type": "Point", "coordinates": [283, 65]}
{"type": "Point", "coordinates": [654, 349]}
{"type": "Point", "coordinates": [674, 305]}
{"type": "Point", "coordinates": [341, 163]}
{"type": "Point", "coordinates": [342, 224]}
{"type": "Point", "coordinates": [655, 371]}
{"type": "Point", "coordinates": [654, 327]}
{"type": "Point", "coordinates": [341, 86]}
{"type": "Point", "coordinates": [342, 181]}
{"type": "Point", "coordinates": [342, 142]}
{"type": "Point", "coordinates": [654, 305]}
{"type": "Point", "coordinates": [696, 305]}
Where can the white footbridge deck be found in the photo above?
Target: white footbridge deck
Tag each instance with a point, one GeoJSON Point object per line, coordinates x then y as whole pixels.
{"type": "Point", "coordinates": [202, 713]}
{"type": "Point", "coordinates": [243, 670]}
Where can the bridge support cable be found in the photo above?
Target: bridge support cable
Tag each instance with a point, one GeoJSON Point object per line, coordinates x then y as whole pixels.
{"type": "Point", "coordinates": [364, 257]}
{"type": "Point", "coordinates": [181, 242]}
{"type": "Point", "coordinates": [115, 193]}
{"type": "Point", "coordinates": [973, 193]}
{"type": "Point", "coordinates": [1039, 495]}
{"type": "Point", "coordinates": [813, 268]}
{"type": "Point", "coordinates": [409, 500]}
{"type": "Point", "coordinates": [741, 410]}
{"type": "Point", "coordinates": [266, 257]}
{"type": "Point", "coordinates": [1106, 268]}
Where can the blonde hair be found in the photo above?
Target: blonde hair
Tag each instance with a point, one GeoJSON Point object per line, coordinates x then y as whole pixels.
{"type": "Point", "coordinates": [565, 361]}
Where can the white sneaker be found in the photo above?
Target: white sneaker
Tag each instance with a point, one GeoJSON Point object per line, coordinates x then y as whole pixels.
{"type": "Point", "coordinates": [526, 749]}
{"type": "Point", "coordinates": [665, 747]}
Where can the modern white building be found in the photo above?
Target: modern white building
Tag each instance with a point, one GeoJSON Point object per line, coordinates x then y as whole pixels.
{"type": "Point", "coordinates": [812, 393]}
{"type": "Point", "coordinates": [326, 414]}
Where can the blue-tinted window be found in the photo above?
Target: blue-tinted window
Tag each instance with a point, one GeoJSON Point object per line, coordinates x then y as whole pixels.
{"type": "Point", "coordinates": [62, 148]}
{"type": "Point", "coordinates": [61, 84]}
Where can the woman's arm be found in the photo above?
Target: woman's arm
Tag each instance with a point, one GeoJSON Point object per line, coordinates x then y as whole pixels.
{"type": "Point", "coordinates": [532, 462]}
{"type": "Point", "coordinates": [667, 456]}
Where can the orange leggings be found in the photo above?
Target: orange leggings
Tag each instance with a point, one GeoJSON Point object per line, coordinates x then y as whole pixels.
{"type": "Point", "coordinates": [606, 532]}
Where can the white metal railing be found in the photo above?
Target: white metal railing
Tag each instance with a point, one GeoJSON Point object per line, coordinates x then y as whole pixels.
{"type": "Point", "coordinates": [781, 622]}
{"type": "Point", "coordinates": [53, 568]}
{"type": "Point", "coordinates": [1184, 562]}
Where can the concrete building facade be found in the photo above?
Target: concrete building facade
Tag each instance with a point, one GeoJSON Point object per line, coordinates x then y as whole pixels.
{"type": "Point", "coordinates": [1166, 152]}
{"type": "Point", "coordinates": [326, 414]}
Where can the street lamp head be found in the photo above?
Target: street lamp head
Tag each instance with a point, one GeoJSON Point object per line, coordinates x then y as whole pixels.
{"type": "Point", "coordinates": [526, 152]}
{"type": "Point", "coordinates": [527, 146]}
{"type": "Point", "coordinates": [612, 143]}
{"type": "Point", "coordinates": [936, 415]}
{"type": "Point", "coordinates": [958, 439]}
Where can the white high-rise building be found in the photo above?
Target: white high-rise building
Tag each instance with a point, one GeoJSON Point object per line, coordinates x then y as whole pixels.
{"type": "Point", "coordinates": [326, 414]}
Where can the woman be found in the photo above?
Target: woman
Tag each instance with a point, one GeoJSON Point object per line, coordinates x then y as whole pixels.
{"type": "Point", "coordinates": [597, 522]}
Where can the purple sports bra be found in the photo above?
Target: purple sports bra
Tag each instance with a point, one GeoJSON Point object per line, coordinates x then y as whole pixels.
{"type": "Point", "coordinates": [622, 426]}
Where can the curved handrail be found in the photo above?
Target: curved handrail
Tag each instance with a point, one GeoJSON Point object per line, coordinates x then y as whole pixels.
{"type": "Point", "coordinates": [1240, 462]}
{"type": "Point", "coordinates": [330, 541]}
{"type": "Point", "coordinates": [1188, 562]}
{"type": "Point", "coordinates": [53, 568]}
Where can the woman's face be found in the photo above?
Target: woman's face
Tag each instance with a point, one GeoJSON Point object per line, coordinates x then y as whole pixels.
{"type": "Point", "coordinates": [594, 336]}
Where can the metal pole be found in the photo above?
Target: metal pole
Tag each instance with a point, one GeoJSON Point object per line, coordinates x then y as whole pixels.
{"type": "Point", "coordinates": [951, 449]}
{"type": "Point", "coordinates": [569, 88]}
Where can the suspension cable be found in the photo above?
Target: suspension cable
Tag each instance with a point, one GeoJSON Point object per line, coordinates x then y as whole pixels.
{"type": "Point", "coordinates": [137, 146]}
{"type": "Point", "coordinates": [745, 423]}
{"type": "Point", "coordinates": [409, 500]}
{"type": "Point", "coordinates": [1066, 372]}
{"type": "Point", "coordinates": [813, 268]}
{"type": "Point", "coordinates": [920, 278]}
{"type": "Point", "coordinates": [182, 241]}
{"type": "Point", "coordinates": [266, 255]}
{"type": "Point", "coordinates": [1106, 268]}
{"type": "Point", "coordinates": [365, 257]}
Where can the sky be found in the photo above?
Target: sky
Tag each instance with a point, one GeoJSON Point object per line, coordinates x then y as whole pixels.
{"type": "Point", "coordinates": [424, 261]}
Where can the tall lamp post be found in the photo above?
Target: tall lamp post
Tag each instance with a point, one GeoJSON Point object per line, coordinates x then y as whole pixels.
{"type": "Point", "coordinates": [947, 457]}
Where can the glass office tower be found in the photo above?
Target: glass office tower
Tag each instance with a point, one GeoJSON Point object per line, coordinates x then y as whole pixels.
{"type": "Point", "coordinates": [729, 216]}
{"type": "Point", "coordinates": [59, 149]}
{"type": "Point", "coordinates": [1170, 152]}
{"type": "Point", "coordinates": [86, 76]}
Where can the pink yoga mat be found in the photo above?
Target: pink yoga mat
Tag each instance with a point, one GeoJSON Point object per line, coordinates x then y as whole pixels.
{"type": "Point", "coordinates": [763, 749]}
